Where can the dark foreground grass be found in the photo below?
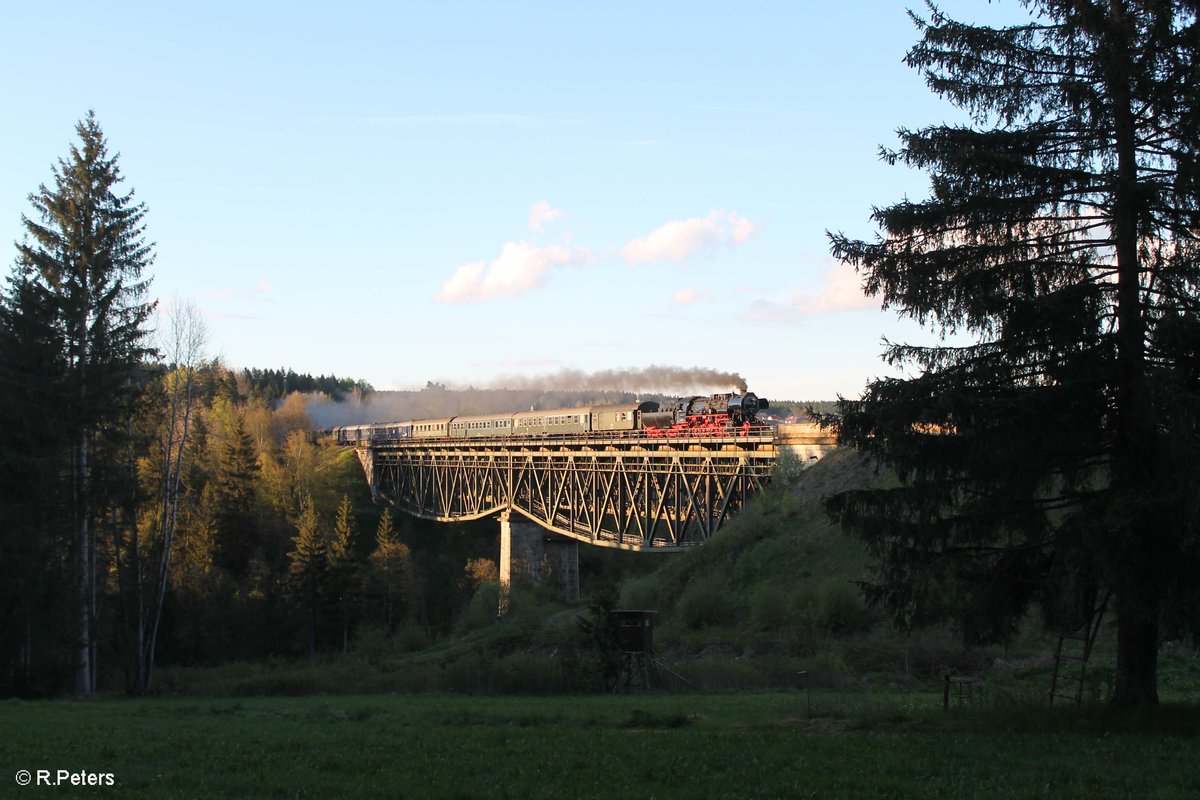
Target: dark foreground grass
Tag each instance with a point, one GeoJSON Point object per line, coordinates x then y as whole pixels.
{"type": "Point", "coordinates": [657, 746]}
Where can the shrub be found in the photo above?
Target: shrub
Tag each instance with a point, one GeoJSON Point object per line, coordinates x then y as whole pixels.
{"type": "Point", "coordinates": [372, 644]}
{"type": "Point", "coordinates": [411, 637]}
{"type": "Point", "coordinates": [841, 610]}
{"type": "Point", "coordinates": [765, 557]}
{"type": "Point", "coordinates": [827, 670]}
{"type": "Point", "coordinates": [640, 593]}
{"type": "Point", "coordinates": [805, 606]}
{"type": "Point", "coordinates": [481, 611]}
{"type": "Point", "coordinates": [705, 602]}
{"type": "Point", "coordinates": [769, 609]}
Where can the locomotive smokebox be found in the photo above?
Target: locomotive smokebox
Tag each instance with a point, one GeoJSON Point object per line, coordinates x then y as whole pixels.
{"type": "Point", "coordinates": [744, 408]}
{"type": "Point", "coordinates": [749, 402]}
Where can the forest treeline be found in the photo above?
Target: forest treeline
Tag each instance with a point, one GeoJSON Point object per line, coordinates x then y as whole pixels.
{"type": "Point", "coordinates": [277, 550]}
{"type": "Point", "coordinates": [276, 384]}
{"type": "Point", "coordinates": [155, 505]}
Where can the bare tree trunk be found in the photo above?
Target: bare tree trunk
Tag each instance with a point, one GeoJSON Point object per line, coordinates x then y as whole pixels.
{"type": "Point", "coordinates": [84, 676]}
{"type": "Point", "coordinates": [185, 349]}
{"type": "Point", "coordinates": [83, 669]}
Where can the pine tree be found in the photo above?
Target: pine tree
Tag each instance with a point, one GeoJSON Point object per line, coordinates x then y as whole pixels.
{"type": "Point", "coordinates": [343, 566]}
{"type": "Point", "coordinates": [237, 528]}
{"type": "Point", "coordinates": [390, 565]}
{"type": "Point", "coordinates": [34, 456]}
{"type": "Point", "coordinates": [85, 250]}
{"type": "Point", "coordinates": [1053, 457]}
{"type": "Point", "coordinates": [308, 572]}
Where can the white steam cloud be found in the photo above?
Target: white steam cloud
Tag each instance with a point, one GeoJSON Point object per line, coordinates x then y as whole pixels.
{"type": "Point", "coordinates": [653, 378]}
{"type": "Point", "coordinates": [563, 389]}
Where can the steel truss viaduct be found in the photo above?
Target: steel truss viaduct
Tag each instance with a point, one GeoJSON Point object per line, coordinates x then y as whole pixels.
{"type": "Point", "coordinates": [626, 491]}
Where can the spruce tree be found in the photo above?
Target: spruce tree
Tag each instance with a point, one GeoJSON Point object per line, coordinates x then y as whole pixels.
{"type": "Point", "coordinates": [390, 564]}
{"type": "Point", "coordinates": [34, 457]}
{"type": "Point", "coordinates": [308, 572]}
{"type": "Point", "coordinates": [85, 250]}
{"type": "Point", "coordinates": [1052, 457]}
{"type": "Point", "coordinates": [343, 566]}
{"type": "Point", "coordinates": [237, 528]}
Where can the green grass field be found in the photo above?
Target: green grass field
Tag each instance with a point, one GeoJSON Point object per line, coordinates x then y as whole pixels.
{"type": "Point", "coordinates": [889, 745]}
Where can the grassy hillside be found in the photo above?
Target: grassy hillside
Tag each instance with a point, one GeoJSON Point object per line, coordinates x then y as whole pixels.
{"type": "Point", "coordinates": [777, 574]}
{"type": "Point", "coordinates": [771, 601]}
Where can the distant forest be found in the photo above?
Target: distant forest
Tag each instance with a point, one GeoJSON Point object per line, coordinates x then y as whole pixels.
{"type": "Point", "coordinates": [276, 384]}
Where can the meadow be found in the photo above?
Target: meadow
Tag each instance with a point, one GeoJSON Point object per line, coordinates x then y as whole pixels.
{"type": "Point", "coordinates": [888, 744]}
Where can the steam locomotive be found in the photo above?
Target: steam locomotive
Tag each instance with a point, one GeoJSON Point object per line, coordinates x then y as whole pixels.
{"type": "Point", "coordinates": [715, 415]}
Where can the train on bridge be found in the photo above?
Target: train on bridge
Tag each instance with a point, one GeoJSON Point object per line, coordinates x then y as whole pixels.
{"type": "Point", "coordinates": [730, 414]}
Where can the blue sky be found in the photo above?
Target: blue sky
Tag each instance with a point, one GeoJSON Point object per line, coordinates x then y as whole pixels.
{"type": "Point", "coordinates": [452, 191]}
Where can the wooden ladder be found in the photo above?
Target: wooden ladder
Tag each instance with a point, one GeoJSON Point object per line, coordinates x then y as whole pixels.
{"type": "Point", "coordinates": [1071, 657]}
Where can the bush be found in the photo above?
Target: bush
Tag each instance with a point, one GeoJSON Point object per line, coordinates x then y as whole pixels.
{"type": "Point", "coordinates": [789, 466]}
{"type": "Point", "coordinates": [805, 606]}
{"type": "Point", "coordinates": [372, 644]}
{"type": "Point", "coordinates": [640, 593]}
{"type": "Point", "coordinates": [769, 609]}
{"type": "Point", "coordinates": [411, 637]}
{"type": "Point", "coordinates": [705, 602]}
{"type": "Point", "coordinates": [481, 612]}
{"type": "Point", "coordinates": [827, 670]}
{"type": "Point", "coordinates": [842, 609]}
{"type": "Point", "coordinates": [764, 558]}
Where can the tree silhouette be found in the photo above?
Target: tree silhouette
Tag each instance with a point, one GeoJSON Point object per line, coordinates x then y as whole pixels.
{"type": "Point", "coordinates": [1052, 457]}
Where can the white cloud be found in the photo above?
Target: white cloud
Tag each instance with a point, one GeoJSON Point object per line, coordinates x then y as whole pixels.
{"type": "Point", "coordinates": [542, 212]}
{"type": "Point", "coordinates": [688, 295]}
{"type": "Point", "coordinates": [841, 290]}
{"type": "Point", "coordinates": [679, 239]}
{"type": "Point", "coordinates": [520, 268]}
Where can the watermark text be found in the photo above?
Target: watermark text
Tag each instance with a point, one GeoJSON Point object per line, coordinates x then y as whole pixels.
{"type": "Point", "coordinates": [64, 777]}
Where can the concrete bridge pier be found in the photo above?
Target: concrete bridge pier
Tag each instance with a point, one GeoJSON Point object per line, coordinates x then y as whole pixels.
{"type": "Point", "coordinates": [366, 457]}
{"type": "Point", "coordinates": [529, 552]}
{"type": "Point", "coordinates": [563, 557]}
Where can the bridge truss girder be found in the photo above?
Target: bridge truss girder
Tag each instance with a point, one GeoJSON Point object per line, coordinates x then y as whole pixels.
{"type": "Point", "coordinates": [628, 496]}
